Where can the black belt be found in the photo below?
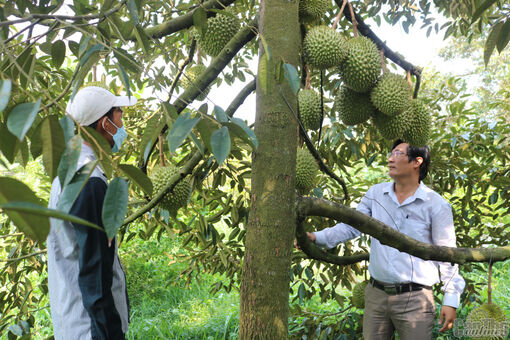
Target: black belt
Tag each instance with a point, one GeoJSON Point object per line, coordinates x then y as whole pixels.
{"type": "Point", "coordinates": [398, 288]}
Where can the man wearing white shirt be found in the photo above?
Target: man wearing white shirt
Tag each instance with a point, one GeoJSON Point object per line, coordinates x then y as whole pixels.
{"type": "Point", "coordinates": [399, 296]}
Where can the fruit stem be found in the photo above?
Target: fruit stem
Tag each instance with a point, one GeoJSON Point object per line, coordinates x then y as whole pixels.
{"type": "Point", "coordinates": [354, 21]}
{"type": "Point", "coordinates": [337, 19]}
{"type": "Point", "coordinates": [489, 287]}
{"type": "Point", "coordinates": [383, 61]}
{"type": "Point", "coordinates": [308, 82]}
{"type": "Point", "coordinates": [161, 153]}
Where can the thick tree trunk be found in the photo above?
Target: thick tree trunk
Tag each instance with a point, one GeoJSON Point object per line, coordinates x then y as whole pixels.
{"type": "Point", "coordinates": [270, 232]}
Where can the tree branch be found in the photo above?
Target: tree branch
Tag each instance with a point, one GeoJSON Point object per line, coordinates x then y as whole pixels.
{"type": "Point", "coordinates": [185, 21]}
{"type": "Point", "coordinates": [191, 53]}
{"type": "Point", "coordinates": [63, 17]}
{"type": "Point", "coordinates": [239, 99]}
{"type": "Point", "coordinates": [393, 238]}
{"type": "Point", "coordinates": [317, 253]}
{"type": "Point", "coordinates": [365, 30]}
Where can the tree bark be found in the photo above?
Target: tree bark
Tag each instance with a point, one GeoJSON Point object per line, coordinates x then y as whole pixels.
{"type": "Point", "coordinates": [265, 283]}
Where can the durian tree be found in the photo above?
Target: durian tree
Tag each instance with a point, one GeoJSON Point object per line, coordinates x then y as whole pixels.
{"type": "Point", "coordinates": [235, 194]}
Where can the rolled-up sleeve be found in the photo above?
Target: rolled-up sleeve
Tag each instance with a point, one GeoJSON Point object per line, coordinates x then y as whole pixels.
{"type": "Point", "coordinates": [443, 234]}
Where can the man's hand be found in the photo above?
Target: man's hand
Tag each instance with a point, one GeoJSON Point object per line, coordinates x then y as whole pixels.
{"type": "Point", "coordinates": [311, 237]}
{"type": "Point", "coordinates": [448, 314]}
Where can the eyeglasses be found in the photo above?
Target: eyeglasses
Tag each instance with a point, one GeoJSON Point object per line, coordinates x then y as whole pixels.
{"type": "Point", "coordinates": [396, 154]}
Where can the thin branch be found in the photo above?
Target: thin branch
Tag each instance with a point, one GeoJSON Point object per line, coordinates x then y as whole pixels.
{"type": "Point", "coordinates": [186, 61]}
{"type": "Point", "coordinates": [185, 21]}
{"type": "Point", "coordinates": [23, 30]}
{"type": "Point", "coordinates": [314, 151]}
{"type": "Point", "coordinates": [16, 259]}
{"type": "Point", "coordinates": [386, 235]}
{"type": "Point", "coordinates": [365, 30]}
{"type": "Point", "coordinates": [63, 17]}
{"type": "Point", "coordinates": [339, 15]}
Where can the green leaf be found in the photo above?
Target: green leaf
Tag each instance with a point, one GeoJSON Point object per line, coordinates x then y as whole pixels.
{"type": "Point", "coordinates": [491, 42]}
{"type": "Point", "coordinates": [101, 148]}
{"type": "Point", "coordinates": [9, 144]}
{"type": "Point", "coordinates": [482, 8]}
{"type": "Point", "coordinates": [125, 79]}
{"type": "Point", "coordinates": [249, 132]}
{"type": "Point", "coordinates": [5, 93]}
{"type": "Point", "coordinates": [71, 191]}
{"type": "Point", "coordinates": [180, 130]}
{"type": "Point", "coordinates": [21, 118]}
{"type": "Point", "coordinates": [58, 53]}
{"type": "Point", "coordinates": [133, 12]}
{"type": "Point", "coordinates": [220, 115]}
{"type": "Point", "coordinates": [34, 226]}
{"type": "Point", "coordinates": [35, 141]}
{"type": "Point", "coordinates": [263, 74]}
{"type": "Point", "coordinates": [67, 125]}
{"type": "Point", "coordinates": [53, 142]}
{"type": "Point", "coordinates": [69, 161]}
{"type": "Point", "coordinates": [142, 39]}
{"type": "Point", "coordinates": [220, 143]}
{"type": "Point", "coordinates": [504, 36]}
{"type": "Point", "coordinates": [200, 20]}
{"type": "Point", "coordinates": [206, 127]}
{"type": "Point", "coordinates": [74, 47]}
{"type": "Point", "coordinates": [301, 293]}
{"type": "Point", "coordinates": [96, 48]}
{"type": "Point", "coordinates": [138, 177]}
{"type": "Point", "coordinates": [83, 45]}
{"type": "Point", "coordinates": [41, 211]}
{"type": "Point", "coordinates": [292, 76]}
{"type": "Point", "coordinates": [152, 130]}
{"type": "Point", "coordinates": [115, 206]}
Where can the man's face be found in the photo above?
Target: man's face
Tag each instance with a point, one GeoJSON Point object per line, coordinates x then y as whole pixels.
{"type": "Point", "coordinates": [111, 129]}
{"type": "Point", "coordinates": [399, 164]}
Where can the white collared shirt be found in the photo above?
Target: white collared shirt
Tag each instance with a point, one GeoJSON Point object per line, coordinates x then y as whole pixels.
{"type": "Point", "coordinates": [426, 217]}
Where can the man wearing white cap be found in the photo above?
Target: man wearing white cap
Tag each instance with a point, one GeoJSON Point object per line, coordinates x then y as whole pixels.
{"type": "Point", "coordinates": [87, 286]}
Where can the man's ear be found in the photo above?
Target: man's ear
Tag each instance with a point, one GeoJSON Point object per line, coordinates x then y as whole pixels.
{"type": "Point", "coordinates": [419, 160]}
{"type": "Point", "coordinates": [102, 124]}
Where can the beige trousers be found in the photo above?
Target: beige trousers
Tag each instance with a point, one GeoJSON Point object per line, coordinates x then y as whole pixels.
{"type": "Point", "coordinates": [410, 314]}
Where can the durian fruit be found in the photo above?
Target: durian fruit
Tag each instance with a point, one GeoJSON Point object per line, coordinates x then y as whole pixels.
{"type": "Point", "coordinates": [358, 295]}
{"type": "Point", "coordinates": [220, 29]}
{"type": "Point", "coordinates": [392, 127]}
{"type": "Point", "coordinates": [324, 47]}
{"type": "Point", "coordinates": [312, 10]}
{"type": "Point", "coordinates": [353, 107]}
{"type": "Point", "coordinates": [309, 104]}
{"type": "Point", "coordinates": [485, 312]}
{"type": "Point", "coordinates": [178, 196]}
{"type": "Point", "coordinates": [391, 95]}
{"type": "Point", "coordinates": [306, 171]}
{"type": "Point", "coordinates": [362, 65]}
{"type": "Point", "coordinates": [191, 75]}
{"type": "Point", "coordinates": [418, 132]}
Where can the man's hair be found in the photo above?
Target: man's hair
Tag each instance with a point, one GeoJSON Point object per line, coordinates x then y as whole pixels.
{"type": "Point", "coordinates": [109, 114]}
{"type": "Point", "coordinates": [413, 152]}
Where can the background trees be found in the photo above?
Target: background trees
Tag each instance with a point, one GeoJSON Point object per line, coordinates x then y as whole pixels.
{"type": "Point", "coordinates": [49, 49]}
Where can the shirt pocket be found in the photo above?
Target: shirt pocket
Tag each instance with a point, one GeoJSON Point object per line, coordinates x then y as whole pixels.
{"type": "Point", "coordinates": [418, 229]}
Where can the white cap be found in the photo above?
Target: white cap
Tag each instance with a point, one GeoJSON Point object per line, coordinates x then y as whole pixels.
{"type": "Point", "coordinates": [93, 102]}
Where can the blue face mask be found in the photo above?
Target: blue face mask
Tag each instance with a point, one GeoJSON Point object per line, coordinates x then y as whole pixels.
{"type": "Point", "coordinates": [118, 137]}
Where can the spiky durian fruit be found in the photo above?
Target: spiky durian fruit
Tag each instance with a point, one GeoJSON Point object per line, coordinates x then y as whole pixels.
{"type": "Point", "coordinates": [362, 65]}
{"type": "Point", "coordinates": [391, 95]}
{"type": "Point", "coordinates": [418, 132]}
{"type": "Point", "coordinates": [483, 314]}
{"type": "Point", "coordinates": [324, 47]}
{"type": "Point", "coordinates": [178, 196]}
{"type": "Point", "coordinates": [358, 295]}
{"type": "Point", "coordinates": [191, 75]}
{"type": "Point", "coordinates": [353, 107]}
{"type": "Point", "coordinates": [306, 171]}
{"type": "Point", "coordinates": [220, 29]}
{"type": "Point", "coordinates": [312, 10]}
{"type": "Point", "coordinates": [392, 127]}
{"type": "Point", "coordinates": [309, 104]}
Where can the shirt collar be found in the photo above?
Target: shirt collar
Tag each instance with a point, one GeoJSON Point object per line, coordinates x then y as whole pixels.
{"type": "Point", "coordinates": [419, 193]}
